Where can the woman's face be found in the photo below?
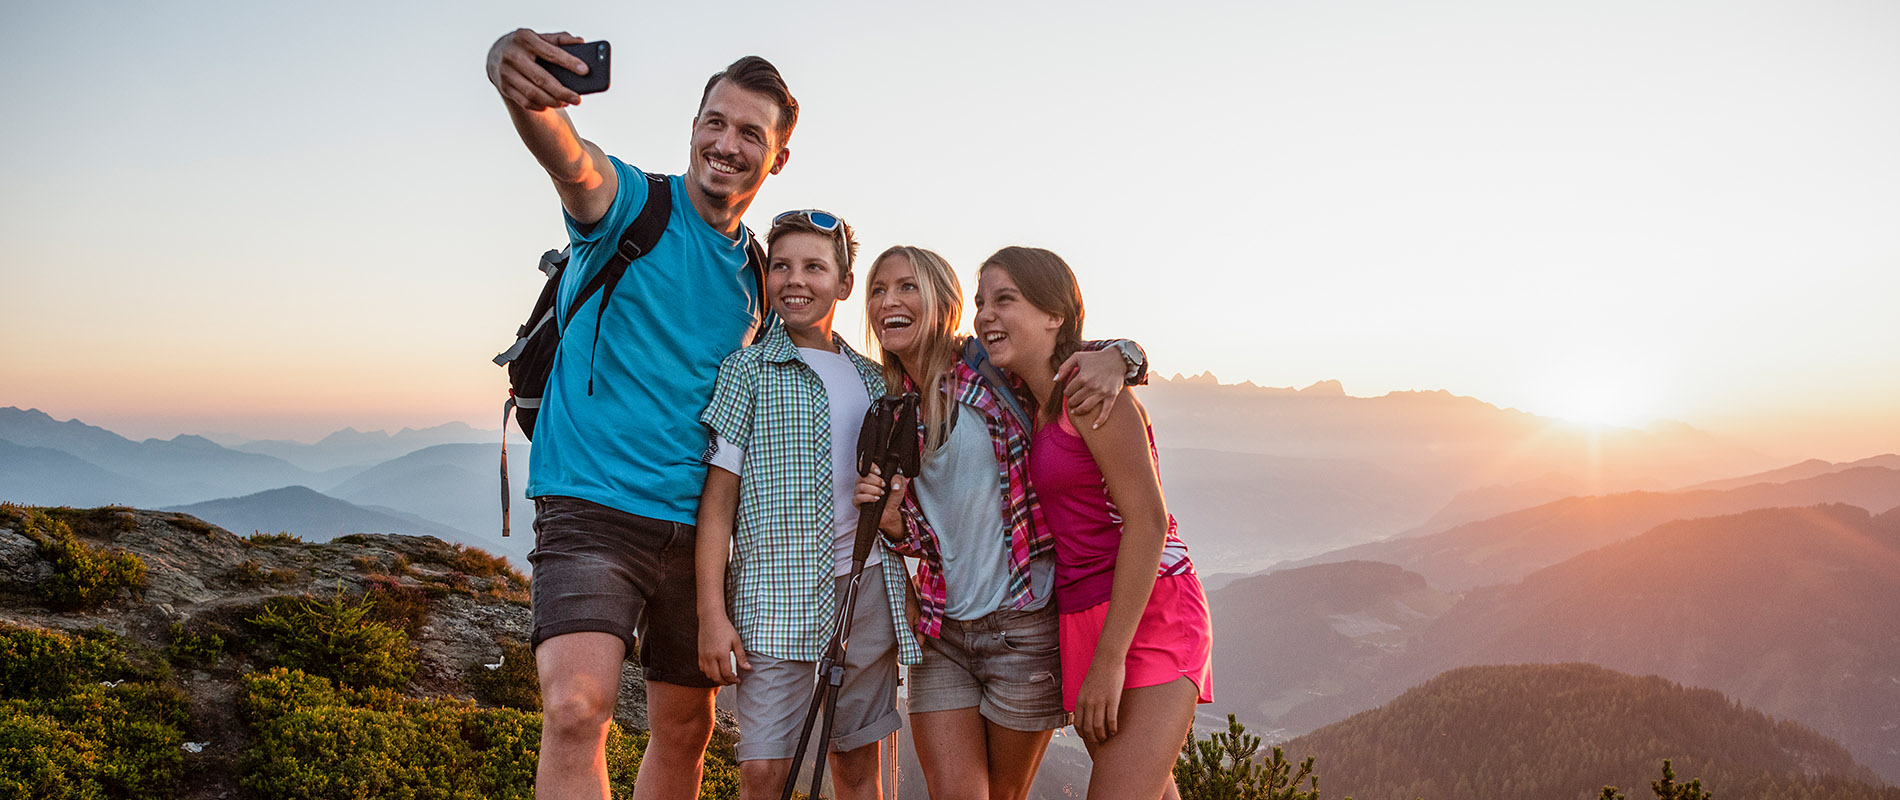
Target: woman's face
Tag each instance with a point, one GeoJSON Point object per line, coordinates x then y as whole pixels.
{"type": "Point", "coordinates": [895, 307]}
{"type": "Point", "coordinates": [1018, 335]}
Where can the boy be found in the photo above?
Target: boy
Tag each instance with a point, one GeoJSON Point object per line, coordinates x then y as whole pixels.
{"type": "Point", "coordinates": [784, 419]}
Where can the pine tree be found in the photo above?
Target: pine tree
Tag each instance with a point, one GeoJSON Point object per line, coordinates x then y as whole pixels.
{"type": "Point", "coordinates": [1666, 789]}
{"type": "Point", "coordinates": [1223, 767]}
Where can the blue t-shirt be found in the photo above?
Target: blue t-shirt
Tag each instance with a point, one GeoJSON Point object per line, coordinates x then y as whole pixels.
{"type": "Point", "coordinates": [635, 443]}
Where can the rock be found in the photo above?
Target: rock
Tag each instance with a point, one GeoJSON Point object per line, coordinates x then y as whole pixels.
{"type": "Point", "coordinates": [20, 562]}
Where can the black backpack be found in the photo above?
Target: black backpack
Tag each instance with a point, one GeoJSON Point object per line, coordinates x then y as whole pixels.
{"type": "Point", "coordinates": [530, 360]}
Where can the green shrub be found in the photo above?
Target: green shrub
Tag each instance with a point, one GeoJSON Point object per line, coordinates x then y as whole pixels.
{"type": "Point", "coordinates": [104, 522]}
{"type": "Point", "coordinates": [83, 576]}
{"type": "Point", "coordinates": [187, 648]}
{"type": "Point", "coordinates": [314, 742]}
{"type": "Point", "coordinates": [399, 605]}
{"type": "Point", "coordinates": [41, 760]}
{"type": "Point", "coordinates": [335, 639]}
{"type": "Point", "coordinates": [251, 573]}
{"type": "Point", "coordinates": [42, 665]}
{"type": "Point", "coordinates": [139, 729]}
{"type": "Point", "coordinates": [78, 721]}
{"type": "Point", "coordinates": [261, 539]}
{"type": "Point", "coordinates": [512, 685]}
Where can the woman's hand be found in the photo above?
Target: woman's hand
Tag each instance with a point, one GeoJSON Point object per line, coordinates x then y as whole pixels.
{"type": "Point", "coordinates": [721, 653]}
{"type": "Point", "coordinates": [1098, 705]}
{"type": "Point", "coordinates": [870, 488]}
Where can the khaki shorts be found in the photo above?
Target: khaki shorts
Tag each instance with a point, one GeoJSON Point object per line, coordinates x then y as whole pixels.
{"type": "Point", "coordinates": [772, 697]}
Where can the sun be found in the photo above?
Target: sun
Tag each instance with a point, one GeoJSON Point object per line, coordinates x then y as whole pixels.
{"type": "Point", "coordinates": [1599, 399]}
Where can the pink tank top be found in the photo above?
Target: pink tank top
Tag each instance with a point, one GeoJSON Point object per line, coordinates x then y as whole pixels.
{"type": "Point", "coordinates": [1083, 519]}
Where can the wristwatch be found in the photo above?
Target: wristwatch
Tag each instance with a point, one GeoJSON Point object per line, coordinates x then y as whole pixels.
{"type": "Point", "coordinates": [1137, 361]}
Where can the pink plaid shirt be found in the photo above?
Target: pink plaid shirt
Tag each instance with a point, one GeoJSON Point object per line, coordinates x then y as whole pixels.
{"type": "Point", "coordinates": [1021, 511]}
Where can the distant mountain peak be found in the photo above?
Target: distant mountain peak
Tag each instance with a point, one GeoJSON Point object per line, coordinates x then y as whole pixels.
{"type": "Point", "coordinates": [1325, 388]}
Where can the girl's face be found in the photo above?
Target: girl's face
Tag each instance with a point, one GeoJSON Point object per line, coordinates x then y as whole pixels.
{"type": "Point", "coordinates": [895, 306]}
{"type": "Point", "coordinates": [1019, 335]}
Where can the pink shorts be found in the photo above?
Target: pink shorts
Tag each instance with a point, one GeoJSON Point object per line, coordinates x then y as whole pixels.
{"type": "Point", "coordinates": [1174, 639]}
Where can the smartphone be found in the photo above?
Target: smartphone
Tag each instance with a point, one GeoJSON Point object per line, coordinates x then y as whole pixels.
{"type": "Point", "coordinates": [595, 54]}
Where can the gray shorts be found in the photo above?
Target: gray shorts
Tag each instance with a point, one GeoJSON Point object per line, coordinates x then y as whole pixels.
{"type": "Point", "coordinates": [1005, 664]}
{"type": "Point", "coordinates": [603, 570]}
{"type": "Point", "coordinates": [772, 697]}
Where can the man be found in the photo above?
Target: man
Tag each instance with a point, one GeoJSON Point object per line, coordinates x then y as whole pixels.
{"type": "Point", "coordinates": [615, 471]}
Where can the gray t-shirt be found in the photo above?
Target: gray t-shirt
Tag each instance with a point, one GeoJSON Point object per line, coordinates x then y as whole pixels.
{"type": "Point", "coordinates": [957, 491]}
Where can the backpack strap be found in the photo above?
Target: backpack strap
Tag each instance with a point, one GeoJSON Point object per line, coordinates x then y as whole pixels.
{"type": "Point", "coordinates": [637, 240]}
{"type": "Point", "coordinates": [755, 261]}
{"type": "Point", "coordinates": [977, 358]}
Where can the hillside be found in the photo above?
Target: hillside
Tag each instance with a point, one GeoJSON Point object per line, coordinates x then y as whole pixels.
{"type": "Point", "coordinates": [1243, 511]}
{"type": "Point", "coordinates": [1549, 732]}
{"type": "Point", "coordinates": [455, 485]}
{"type": "Point", "coordinates": [310, 514]}
{"type": "Point", "coordinates": [1507, 547]}
{"type": "Point", "coordinates": [1288, 637]}
{"type": "Point", "coordinates": [455, 622]}
{"type": "Point", "coordinates": [1791, 611]}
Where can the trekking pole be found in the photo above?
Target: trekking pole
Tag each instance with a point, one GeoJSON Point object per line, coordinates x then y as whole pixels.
{"type": "Point", "coordinates": [888, 440]}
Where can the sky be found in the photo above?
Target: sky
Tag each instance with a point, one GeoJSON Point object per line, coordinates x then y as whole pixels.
{"type": "Point", "coordinates": [276, 220]}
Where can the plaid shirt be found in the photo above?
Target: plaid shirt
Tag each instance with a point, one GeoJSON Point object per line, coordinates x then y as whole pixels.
{"type": "Point", "coordinates": [1021, 512]}
{"type": "Point", "coordinates": [779, 586]}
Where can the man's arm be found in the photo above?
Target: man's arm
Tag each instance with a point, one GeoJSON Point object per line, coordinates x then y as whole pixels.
{"type": "Point", "coordinates": [582, 175]}
{"type": "Point", "coordinates": [1097, 373]}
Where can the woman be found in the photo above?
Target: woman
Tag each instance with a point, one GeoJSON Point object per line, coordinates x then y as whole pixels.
{"type": "Point", "coordinates": [987, 695]}
{"type": "Point", "coordinates": [1136, 638]}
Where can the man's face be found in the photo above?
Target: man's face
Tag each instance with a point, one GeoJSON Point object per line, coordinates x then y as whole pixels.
{"type": "Point", "coordinates": [735, 145]}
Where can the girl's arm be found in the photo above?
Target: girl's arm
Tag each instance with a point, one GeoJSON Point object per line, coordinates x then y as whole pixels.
{"type": "Point", "coordinates": [721, 653]}
{"type": "Point", "coordinates": [1120, 448]}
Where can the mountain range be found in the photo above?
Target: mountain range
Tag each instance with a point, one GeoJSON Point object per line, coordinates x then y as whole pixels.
{"type": "Point", "coordinates": [1789, 610]}
{"type": "Point", "coordinates": [1509, 546]}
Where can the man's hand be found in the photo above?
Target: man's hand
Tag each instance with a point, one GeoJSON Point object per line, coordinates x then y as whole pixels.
{"type": "Point", "coordinates": [513, 71]}
{"type": "Point", "coordinates": [1095, 378]}
{"type": "Point", "coordinates": [870, 488]}
{"type": "Point", "coordinates": [721, 653]}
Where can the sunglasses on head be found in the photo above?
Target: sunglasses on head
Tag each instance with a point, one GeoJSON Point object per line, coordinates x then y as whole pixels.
{"type": "Point", "coordinates": [823, 220]}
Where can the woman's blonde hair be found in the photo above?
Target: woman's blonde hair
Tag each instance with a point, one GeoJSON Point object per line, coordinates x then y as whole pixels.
{"type": "Point", "coordinates": [942, 298]}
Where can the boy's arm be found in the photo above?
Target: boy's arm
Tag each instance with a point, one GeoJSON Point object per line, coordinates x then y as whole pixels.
{"type": "Point", "coordinates": [582, 175]}
{"type": "Point", "coordinates": [721, 653]}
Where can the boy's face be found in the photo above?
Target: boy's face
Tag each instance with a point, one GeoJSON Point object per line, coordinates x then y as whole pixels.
{"type": "Point", "coordinates": [802, 281]}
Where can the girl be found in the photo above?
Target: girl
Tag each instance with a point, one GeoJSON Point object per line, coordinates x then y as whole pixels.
{"type": "Point", "coordinates": [987, 695]}
{"type": "Point", "coordinates": [1136, 638]}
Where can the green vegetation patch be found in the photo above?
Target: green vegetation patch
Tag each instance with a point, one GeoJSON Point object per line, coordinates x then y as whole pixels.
{"type": "Point", "coordinates": [79, 719]}
{"type": "Point", "coordinates": [250, 573]}
{"type": "Point", "coordinates": [192, 648]}
{"type": "Point", "coordinates": [84, 576]}
{"type": "Point", "coordinates": [511, 684]}
{"type": "Point", "coordinates": [336, 639]}
{"type": "Point", "coordinates": [315, 740]}
{"type": "Point", "coordinates": [281, 538]}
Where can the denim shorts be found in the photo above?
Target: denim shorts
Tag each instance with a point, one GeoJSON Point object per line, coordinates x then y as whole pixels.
{"type": "Point", "coordinates": [598, 569]}
{"type": "Point", "coordinates": [1005, 664]}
